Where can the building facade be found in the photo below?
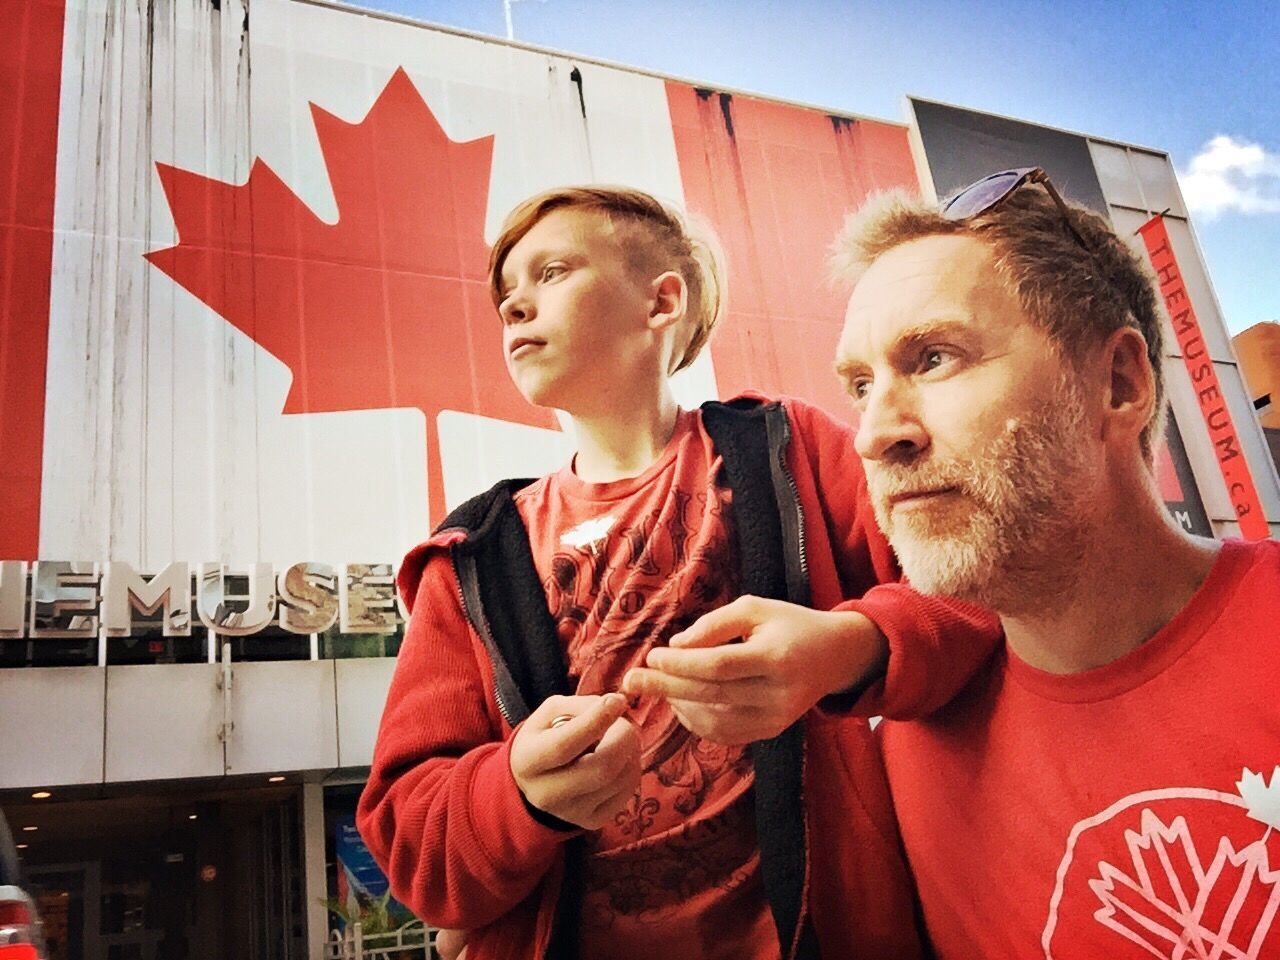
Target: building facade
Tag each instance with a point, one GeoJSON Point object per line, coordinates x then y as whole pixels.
{"type": "Point", "coordinates": [247, 360]}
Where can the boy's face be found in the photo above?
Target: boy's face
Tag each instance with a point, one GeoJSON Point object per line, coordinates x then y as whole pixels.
{"type": "Point", "coordinates": [574, 314]}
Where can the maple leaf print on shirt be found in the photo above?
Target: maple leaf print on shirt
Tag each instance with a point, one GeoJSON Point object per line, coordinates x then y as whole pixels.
{"type": "Point", "coordinates": [1177, 873]}
{"type": "Point", "coordinates": [386, 308]}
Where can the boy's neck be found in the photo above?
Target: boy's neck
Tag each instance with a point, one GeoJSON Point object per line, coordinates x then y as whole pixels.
{"type": "Point", "coordinates": [624, 443]}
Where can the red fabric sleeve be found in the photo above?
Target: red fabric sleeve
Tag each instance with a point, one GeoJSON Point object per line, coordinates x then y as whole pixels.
{"type": "Point", "coordinates": [441, 812]}
{"type": "Point", "coordinates": [935, 644]}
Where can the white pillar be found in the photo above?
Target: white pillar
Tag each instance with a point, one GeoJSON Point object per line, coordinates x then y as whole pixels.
{"type": "Point", "coordinates": [313, 873]}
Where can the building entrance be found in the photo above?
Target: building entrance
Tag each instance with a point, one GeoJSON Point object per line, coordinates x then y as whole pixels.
{"type": "Point", "coordinates": [168, 876]}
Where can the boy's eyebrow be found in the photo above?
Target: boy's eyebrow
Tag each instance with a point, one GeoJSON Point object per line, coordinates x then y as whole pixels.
{"type": "Point", "coordinates": [539, 256]}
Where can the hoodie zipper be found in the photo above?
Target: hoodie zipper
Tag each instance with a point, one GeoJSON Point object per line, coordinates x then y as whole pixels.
{"type": "Point", "coordinates": [476, 615]}
{"type": "Point", "coordinates": [791, 514]}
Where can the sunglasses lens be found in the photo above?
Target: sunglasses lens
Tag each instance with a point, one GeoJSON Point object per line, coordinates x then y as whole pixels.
{"type": "Point", "coordinates": [983, 195]}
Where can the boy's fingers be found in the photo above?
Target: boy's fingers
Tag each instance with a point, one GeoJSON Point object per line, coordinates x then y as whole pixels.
{"type": "Point", "coordinates": [617, 752]}
{"type": "Point", "coordinates": [566, 741]}
{"type": "Point", "coordinates": [722, 625]}
{"type": "Point", "coordinates": [735, 662]}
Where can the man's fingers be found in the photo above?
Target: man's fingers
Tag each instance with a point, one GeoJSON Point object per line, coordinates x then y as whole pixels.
{"type": "Point", "coordinates": [731, 726]}
{"type": "Point", "coordinates": [735, 662]}
{"type": "Point", "coordinates": [722, 625]}
{"type": "Point", "coordinates": [565, 742]}
{"type": "Point", "coordinates": [747, 692]}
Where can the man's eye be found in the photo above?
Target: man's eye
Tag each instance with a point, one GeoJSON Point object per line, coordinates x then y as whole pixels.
{"type": "Point", "coordinates": [934, 358]}
{"type": "Point", "coordinates": [858, 389]}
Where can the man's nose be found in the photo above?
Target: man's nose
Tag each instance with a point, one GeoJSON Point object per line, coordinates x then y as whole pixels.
{"type": "Point", "coordinates": [890, 427]}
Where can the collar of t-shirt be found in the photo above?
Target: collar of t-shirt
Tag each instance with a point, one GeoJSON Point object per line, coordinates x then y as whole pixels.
{"type": "Point", "coordinates": [573, 485]}
{"type": "Point", "coordinates": [1150, 659]}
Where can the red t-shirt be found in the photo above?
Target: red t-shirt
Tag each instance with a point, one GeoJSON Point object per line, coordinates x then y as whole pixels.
{"type": "Point", "coordinates": [626, 565]}
{"type": "Point", "coordinates": [1127, 812]}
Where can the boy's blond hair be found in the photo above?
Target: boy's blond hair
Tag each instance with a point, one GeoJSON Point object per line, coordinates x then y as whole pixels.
{"type": "Point", "coordinates": [652, 235]}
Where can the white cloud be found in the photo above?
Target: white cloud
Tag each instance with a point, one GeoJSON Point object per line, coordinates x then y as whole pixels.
{"type": "Point", "coordinates": [1230, 174]}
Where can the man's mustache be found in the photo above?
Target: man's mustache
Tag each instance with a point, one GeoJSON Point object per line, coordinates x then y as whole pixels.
{"type": "Point", "coordinates": [889, 481]}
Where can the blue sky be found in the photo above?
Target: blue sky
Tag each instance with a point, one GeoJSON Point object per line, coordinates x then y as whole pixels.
{"type": "Point", "coordinates": [1198, 80]}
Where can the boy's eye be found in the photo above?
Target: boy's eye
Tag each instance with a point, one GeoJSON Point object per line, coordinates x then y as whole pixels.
{"type": "Point", "coordinates": [551, 271]}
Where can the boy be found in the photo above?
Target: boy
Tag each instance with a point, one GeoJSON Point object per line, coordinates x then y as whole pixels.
{"type": "Point", "coordinates": [514, 792]}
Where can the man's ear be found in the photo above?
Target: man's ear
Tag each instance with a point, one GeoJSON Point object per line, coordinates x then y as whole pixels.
{"type": "Point", "coordinates": [1131, 384]}
{"type": "Point", "coordinates": [670, 300]}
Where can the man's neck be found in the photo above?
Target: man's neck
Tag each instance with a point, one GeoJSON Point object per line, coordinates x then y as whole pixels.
{"type": "Point", "coordinates": [1134, 577]}
{"type": "Point", "coordinates": [620, 444]}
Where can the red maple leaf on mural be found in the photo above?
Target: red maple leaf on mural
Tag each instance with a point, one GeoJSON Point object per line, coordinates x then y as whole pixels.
{"type": "Point", "coordinates": [386, 308]}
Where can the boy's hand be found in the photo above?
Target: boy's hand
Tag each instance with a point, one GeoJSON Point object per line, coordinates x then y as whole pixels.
{"type": "Point", "coordinates": [790, 658]}
{"type": "Point", "coordinates": [451, 944]}
{"type": "Point", "coordinates": [585, 768]}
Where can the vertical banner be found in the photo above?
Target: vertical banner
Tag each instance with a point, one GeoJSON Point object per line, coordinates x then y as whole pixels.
{"type": "Point", "coordinates": [1204, 379]}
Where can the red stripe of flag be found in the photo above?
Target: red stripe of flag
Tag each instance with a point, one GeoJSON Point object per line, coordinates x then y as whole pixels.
{"type": "Point", "coordinates": [31, 76]}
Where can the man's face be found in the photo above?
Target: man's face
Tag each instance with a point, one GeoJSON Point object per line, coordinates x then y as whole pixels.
{"type": "Point", "coordinates": [979, 453]}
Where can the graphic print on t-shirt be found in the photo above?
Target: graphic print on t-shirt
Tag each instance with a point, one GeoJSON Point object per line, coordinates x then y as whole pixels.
{"type": "Point", "coordinates": [1177, 873]}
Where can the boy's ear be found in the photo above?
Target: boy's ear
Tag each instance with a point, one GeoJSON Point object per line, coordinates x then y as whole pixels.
{"type": "Point", "coordinates": [1131, 385]}
{"type": "Point", "coordinates": [670, 300]}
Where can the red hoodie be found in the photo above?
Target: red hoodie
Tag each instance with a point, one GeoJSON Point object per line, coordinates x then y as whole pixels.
{"type": "Point", "coordinates": [443, 815]}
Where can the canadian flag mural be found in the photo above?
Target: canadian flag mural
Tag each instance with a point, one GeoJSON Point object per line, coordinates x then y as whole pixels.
{"type": "Point", "coordinates": [244, 305]}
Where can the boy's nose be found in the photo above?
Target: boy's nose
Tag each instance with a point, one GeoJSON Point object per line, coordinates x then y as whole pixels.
{"type": "Point", "coordinates": [515, 309]}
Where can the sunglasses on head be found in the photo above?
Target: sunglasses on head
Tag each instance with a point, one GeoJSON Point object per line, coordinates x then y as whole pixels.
{"type": "Point", "coordinates": [988, 193]}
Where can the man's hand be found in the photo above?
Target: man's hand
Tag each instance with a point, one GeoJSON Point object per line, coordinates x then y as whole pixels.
{"type": "Point", "coordinates": [790, 657]}
{"type": "Point", "coordinates": [583, 768]}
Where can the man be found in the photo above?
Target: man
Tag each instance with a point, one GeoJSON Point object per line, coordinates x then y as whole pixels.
{"type": "Point", "coordinates": [1093, 793]}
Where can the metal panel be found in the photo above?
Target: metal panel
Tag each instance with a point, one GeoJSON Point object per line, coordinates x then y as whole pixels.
{"type": "Point", "coordinates": [362, 693]}
{"type": "Point", "coordinates": [1158, 181]}
{"type": "Point", "coordinates": [162, 722]}
{"type": "Point", "coordinates": [51, 726]}
{"type": "Point", "coordinates": [1116, 175]}
{"type": "Point", "coordinates": [285, 717]}
{"type": "Point", "coordinates": [1136, 178]}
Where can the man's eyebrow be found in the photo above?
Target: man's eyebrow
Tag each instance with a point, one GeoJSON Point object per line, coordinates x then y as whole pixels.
{"type": "Point", "coordinates": [961, 328]}
{"type": "Point", "coordinates": [911, 339]}
{"type": "Point", "coordinates": [848, 368]}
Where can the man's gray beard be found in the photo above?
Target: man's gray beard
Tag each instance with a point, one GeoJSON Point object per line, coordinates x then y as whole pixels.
{"type": "Point", "coordinates": [1020, 547]}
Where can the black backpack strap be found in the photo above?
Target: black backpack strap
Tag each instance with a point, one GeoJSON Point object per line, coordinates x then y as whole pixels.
{"type": "Point", "coordinates": [752, 437]}
{"type": "Point", "coordinates": [507, 606]}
